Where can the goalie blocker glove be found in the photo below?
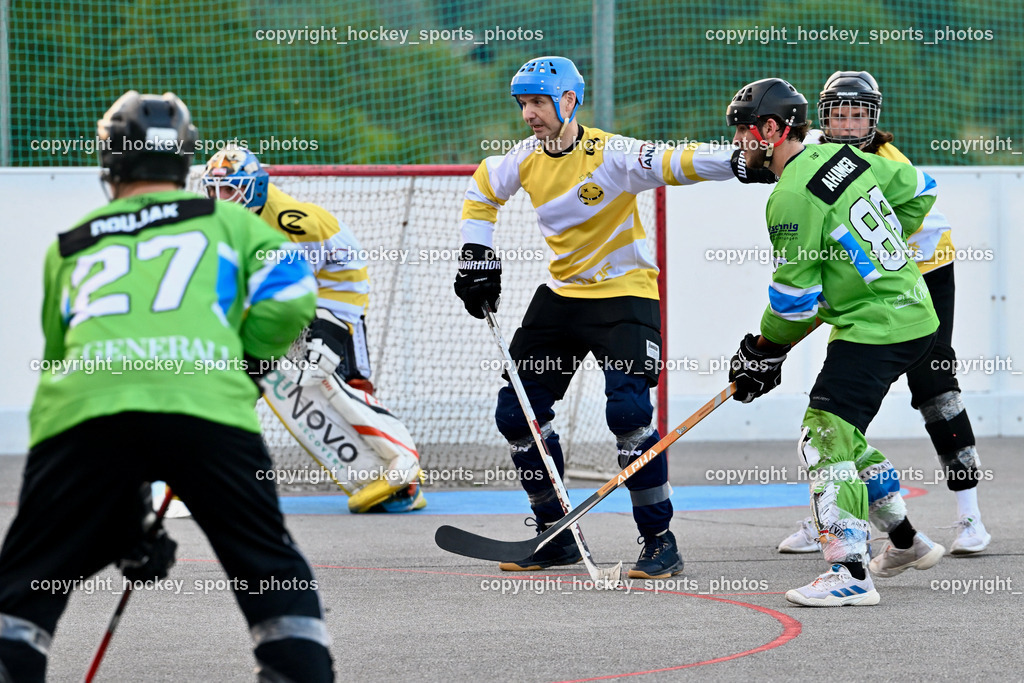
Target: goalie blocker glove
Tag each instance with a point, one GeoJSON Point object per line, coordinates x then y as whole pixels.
{"type": "Point", "coordinates": [756, 371]}
{"type": "Point", "coordinates": [749, 175]}
{"type": "Point", "coordinates": [332, 350]}
{"type": "Point", "coordinates": [479, 279]}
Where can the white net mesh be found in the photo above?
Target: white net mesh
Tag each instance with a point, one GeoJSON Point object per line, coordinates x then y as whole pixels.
{"type": "Point", "coordinates": [434, 366]}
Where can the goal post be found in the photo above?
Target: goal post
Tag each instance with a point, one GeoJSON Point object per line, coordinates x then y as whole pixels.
{"type": "Point", "coordinates": [434, 366]}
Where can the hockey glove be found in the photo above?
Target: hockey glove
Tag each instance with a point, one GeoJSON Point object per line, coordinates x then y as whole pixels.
{"type": "Point", "coordinates": [330, 348]}
{"type": "Point", "coordinates": [749, 175]}
{"type": "Point", "coordinates": [152, 557]}
{"type": "Point", "coordinates": [479, 279]}
{"type": "Point", "coordinates": [756, 371]}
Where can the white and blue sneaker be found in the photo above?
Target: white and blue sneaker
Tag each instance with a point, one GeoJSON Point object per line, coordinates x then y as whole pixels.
{"type": "Point", "coordinates": [803, 540]}
{"type": "Point", "coordinates": [923, 554]}
{"type": "Point", "coordinates": [972, 537]}
{"type": "Point", "coordinates": [835, 588]}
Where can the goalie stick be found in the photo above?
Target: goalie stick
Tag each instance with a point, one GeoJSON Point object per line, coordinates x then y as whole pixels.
{"type": "Point", "coordinates": [468, 544]}
{"type": "Point", "coordinates": [608, 577]}
{"type": "Point", "coordinates": [97, 658]}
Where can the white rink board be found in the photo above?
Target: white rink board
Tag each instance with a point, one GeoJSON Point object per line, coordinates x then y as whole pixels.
{"type": "Point", "coordinates": [712, 303]}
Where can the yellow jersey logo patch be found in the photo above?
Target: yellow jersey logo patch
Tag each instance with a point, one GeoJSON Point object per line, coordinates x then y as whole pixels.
{"type": "Point", "coordinates": [590, 194]}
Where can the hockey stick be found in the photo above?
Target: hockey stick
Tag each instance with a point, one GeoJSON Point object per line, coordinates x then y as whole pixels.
{"type": "Point", "coordinates": [461, 542]}
{"type": "Point", "coordinates": [94, 665]}
{"type": "Point", "coordinates": [608, 577]}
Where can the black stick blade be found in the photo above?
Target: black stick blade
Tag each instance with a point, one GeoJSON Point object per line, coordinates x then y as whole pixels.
{"type": "Point", "coordinates": [466, 543]}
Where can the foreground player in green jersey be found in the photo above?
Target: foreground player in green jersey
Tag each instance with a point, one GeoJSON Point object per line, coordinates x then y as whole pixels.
{"type": "Point", "coordinates": [157, 309]}
{"type": "Point", "coordinates": [838, 221]}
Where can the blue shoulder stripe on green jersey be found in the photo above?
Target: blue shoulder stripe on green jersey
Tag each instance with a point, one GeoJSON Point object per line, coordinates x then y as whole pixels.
{"type": "Point", "coordinates": [227, 280]}
{"type": "Point", "coordinates": [925, 184]}
{"type": "Point", "coordinates": [790, 303]}
{"type": "Point", "coordinates": [282, 281]}
{"type": "Point", "coordinates": [857, 256]}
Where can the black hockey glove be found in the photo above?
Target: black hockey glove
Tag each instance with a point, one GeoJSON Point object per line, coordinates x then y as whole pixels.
{"type": "Point", "coordinates": [756, 371]}
{"type": "Point", "coordinates": [479, 279]}
{"type": "Point", "coordinates": [749, 175]}
{"type": "Point", "coordinates": [152, 557]}
{"type": "Point", "coordinates": [331, 348]}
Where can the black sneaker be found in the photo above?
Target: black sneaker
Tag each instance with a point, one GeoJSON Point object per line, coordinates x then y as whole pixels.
{"type": "Point", "coordinates": [559, 550]}
{"type": "Point", "coordinates": [659, 559]}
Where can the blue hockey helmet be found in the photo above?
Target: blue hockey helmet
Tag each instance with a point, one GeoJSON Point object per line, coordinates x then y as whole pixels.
{"type": "Point", "coordinates": [237, 168]}
{"type": "Point", "coordinates": [550, 76]}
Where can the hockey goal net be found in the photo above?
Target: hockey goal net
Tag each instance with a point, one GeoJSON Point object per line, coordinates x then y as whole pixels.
{"type": "Point", "coordinates": [434, 366]}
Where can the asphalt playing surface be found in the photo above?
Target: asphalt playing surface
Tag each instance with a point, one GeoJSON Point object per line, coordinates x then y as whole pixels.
{"type": "Point", "coordinates": [399, 608]}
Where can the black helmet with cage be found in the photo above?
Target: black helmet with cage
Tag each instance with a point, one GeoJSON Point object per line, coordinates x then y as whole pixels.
{"type": "Point", "coordinates": [849, 93]}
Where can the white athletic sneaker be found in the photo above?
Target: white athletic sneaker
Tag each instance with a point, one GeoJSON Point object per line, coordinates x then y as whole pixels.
{"type": "Point", "coordinates": [803, 540]}
{"type": "Point", "coordinates": [924, 554]}
{"type": "Point", "coordinates": [835, 588]}
{"type": "Point", "coordinates": [972, 537]}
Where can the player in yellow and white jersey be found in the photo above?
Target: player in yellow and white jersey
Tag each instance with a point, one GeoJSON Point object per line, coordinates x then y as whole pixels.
{"type": "Point", "coordinates": [336, 339]}
{"type": "Point", "coordinates": [601, 296]}
{"type": "Point", "coordinates": [848, 112]}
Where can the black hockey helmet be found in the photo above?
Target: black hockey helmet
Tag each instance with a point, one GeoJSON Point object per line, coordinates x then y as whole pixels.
{"type": "Point", "coordinates": [850, 89]}
{"type": "Point", "coordinates": [146, 137]}
{"type": "Point", "coordinates": [767, 97]}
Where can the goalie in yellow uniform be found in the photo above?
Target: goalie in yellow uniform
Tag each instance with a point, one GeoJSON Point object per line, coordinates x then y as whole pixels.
{"type": "Point", "coordinates": [327, 403]}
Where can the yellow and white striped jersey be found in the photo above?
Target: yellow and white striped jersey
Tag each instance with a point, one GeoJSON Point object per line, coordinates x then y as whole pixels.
{"type": "Point", "coordinates": [331, 249]}
{"type": "Point", "coordinates": [586, 205]}
{"type": "Point", "coordinates": [932, 243]}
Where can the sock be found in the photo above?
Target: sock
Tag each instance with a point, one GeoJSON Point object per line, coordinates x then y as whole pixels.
{"type": "Point", "coordinates": [856, 569]}
{"type": "Point", "coordinates": [902, 535]}
{"type": "Point", "coordinates": [967, 503]}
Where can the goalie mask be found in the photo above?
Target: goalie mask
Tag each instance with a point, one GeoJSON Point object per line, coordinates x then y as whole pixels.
{"type": "Point", "coordinates": [235, 175]}
{"type": "Point", "coordinates": [848, 108]}
{"type": "Point", "coordinates": [146, 137]}
{"type": "Point", "coordinates": [550, 76]}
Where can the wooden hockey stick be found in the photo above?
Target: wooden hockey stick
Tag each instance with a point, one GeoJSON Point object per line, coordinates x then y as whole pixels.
{"type": "Point", "coordinates": [468, 544]}
{"type": "Point", "coordinates": [603, 578]}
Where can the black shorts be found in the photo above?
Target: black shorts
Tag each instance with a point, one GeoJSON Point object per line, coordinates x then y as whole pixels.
{"type": "Point", "coordinates": [856, 377]}
{"type": "Point", "coordinates": [937, 375]}
{"type": "Point", "coordinates": [623, 333]}
{"type": "Point", "coordinates": [79, 511]}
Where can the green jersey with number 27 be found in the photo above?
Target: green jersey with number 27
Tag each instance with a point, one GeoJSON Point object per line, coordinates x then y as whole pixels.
{"type": "Point", "coordinates": [150, 304]}
{"type": "Point", "coordinates": [838, 221]}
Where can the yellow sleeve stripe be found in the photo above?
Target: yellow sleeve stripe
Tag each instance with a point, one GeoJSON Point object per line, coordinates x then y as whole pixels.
{"type": "Point", "coordinates": [666, 167]}
{"type": "Point", "coordinates": [333, 275]}
{"type": "Point", "coordinates": [686, 164]}
{"type": "Point", "coordinates": [483, 182]}
{"type": "Point", "coordinates": [479, 211]}
{"type": "Point", "coordinates": [351, 298]}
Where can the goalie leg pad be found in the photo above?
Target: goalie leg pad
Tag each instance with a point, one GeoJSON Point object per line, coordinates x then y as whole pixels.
{"type": "Point", "coordinates": [383, 431]}
{"type": "Point", "coordinates": [333, 442]}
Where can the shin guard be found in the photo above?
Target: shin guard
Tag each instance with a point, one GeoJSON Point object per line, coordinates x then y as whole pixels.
{"type": "Point", "coordinates": [946, 421]}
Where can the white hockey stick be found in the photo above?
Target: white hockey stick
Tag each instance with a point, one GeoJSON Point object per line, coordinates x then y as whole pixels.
{"type": "Point", "coordinates": [603, 578]}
